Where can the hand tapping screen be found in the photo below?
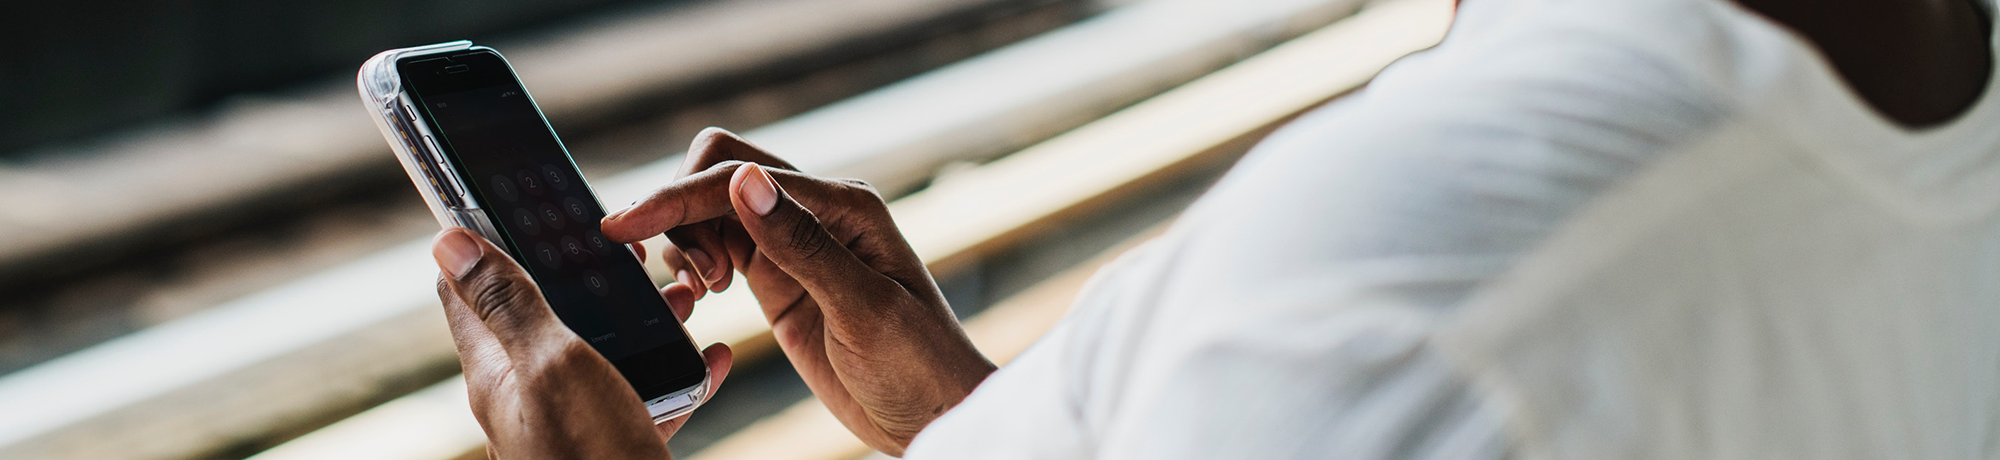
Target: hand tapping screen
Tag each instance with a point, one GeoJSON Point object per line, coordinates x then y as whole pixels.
{"type": "Point", "coordinates": [517, 170]}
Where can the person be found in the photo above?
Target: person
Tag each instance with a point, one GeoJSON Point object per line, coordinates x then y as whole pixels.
{"type": "Point", "coordinates": [1574, 229]}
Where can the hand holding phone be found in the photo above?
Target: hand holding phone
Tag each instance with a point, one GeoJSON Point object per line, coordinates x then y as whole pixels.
{"type": "Point", "coordinates": [538, 390]}
{"type": "Point", "coordinates": [485, 159]}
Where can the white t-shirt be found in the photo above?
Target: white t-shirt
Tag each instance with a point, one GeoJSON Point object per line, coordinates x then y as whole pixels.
{"type": "Point", "coordinates": [1577, 229]}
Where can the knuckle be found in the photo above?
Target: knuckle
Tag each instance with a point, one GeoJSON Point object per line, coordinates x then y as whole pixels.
{"type": "Point", "coordinates": [574, 351]}
{"type": "Point", "coordinates": [654, 200]}
{"type": "Point", "coordinates": [860, 185]}
{"type": "Point", "coordinates": [558, 366]}
{"type": "Point", "coordinates": [861, 189]}
{"type": "Point", "coordinates": [495, 296]}
{"type": "Point", "coordinates": [807, 239]}
{"type": "Point", "coordinates": [707, 143]}
{"type": "Point", "coordinates": [862, 195]}
{"type": "Point", "coordinates": [559, 360]}
{"type": "Point", "coordinates": [711, 133]}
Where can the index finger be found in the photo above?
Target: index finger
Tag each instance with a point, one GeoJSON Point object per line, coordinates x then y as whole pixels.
{"type": "Point", "coordinates": [699, 191]}
{"type": "Point", "coordinates": [698, 197]}
{"type": "Point", "coordinates": [703, 241]}
{"type": "Point", "coordinates": [704, 196]}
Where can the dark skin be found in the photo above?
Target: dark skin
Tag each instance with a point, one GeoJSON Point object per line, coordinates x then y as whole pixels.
{"type": "Point", "coordinates": [849, 303]}
{"type": "Point", "coordinates": [853, 307]}
{"type": "Point", "coordinates": [1920, 63]}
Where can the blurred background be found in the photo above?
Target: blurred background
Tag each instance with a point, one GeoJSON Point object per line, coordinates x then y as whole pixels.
{"type": "Point", "coordinates": [209, 252]}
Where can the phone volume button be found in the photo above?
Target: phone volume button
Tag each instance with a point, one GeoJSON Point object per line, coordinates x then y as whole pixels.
{"type": "Point", "coordinates": [436, 153]}
{"type": "Point", "coordinates": [447, 181]}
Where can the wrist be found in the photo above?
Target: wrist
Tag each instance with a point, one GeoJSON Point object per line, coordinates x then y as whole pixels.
{"type": "Point", "coordinates": [954, 370]}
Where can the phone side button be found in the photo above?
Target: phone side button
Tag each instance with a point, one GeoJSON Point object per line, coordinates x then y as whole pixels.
{"type": "Point", "coordinates": [436, 153]}
{"type": "Point", "coordinates": [447, 182]}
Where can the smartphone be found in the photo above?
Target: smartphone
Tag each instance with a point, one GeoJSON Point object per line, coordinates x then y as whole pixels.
{"type": "Point", "coordinates": [484, 158]}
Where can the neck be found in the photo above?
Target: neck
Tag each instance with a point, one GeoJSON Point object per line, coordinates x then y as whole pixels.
{"type": "Point", "coordinates": [1920, 63]}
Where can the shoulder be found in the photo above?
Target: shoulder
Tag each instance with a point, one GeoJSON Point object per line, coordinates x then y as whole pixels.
{"type": "Point", "coordinates": [1315, 270]}
{"type": "Point", "coordinates": [1464, 155]}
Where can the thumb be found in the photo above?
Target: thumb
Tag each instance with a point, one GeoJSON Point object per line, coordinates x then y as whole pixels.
{"type": "Point", "coordinates": [500, 294]}
{"type": "Point", "coordinates": [793, 239]}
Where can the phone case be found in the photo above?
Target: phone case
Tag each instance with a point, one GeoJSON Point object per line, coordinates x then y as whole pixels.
{"type": "Point", "coordinates": [382, 94]}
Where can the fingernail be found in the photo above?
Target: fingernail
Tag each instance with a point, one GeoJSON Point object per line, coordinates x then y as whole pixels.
{"type": "Point", "coordinates": [456, 253]}
{"type": "Point", "coordinates": [758, 191]}
{"type": "Point", "coordinates": [702, 263]}
{"type": "Point", "coordinates": [685, 278]}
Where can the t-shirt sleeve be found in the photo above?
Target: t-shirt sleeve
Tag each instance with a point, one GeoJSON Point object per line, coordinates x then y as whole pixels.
{"type": "Point", "coordinates": [1034, 406]}
{"type": "Point", "coordinates": [1289, 312]}
{"type": "Point", "coordinates": [1361, 384]}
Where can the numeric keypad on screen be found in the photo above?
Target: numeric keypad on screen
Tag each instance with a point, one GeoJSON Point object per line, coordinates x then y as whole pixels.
{"type": "Point", "coordinates": [555, 225]}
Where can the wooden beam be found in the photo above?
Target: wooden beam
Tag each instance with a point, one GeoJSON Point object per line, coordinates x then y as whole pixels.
{"type": "Point", "coordinates": [194, 171]}
{"type": "Point", "coordinates": [316, 348]}
{"type": "Point", "coordinates": [981, 210]}
{"type": "Point", "coordinates": [433, 424]}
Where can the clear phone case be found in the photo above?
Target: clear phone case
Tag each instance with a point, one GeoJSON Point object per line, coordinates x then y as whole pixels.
{"type": "Point", "coordinates": [382, 93]}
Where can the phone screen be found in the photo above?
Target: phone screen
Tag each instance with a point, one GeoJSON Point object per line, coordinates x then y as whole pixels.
{"type": "Point", "coordinates": [518, 171]}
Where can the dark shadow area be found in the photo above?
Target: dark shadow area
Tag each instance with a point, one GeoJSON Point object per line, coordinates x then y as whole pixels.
{"type": "Point", "coordinates": [97, 65]}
